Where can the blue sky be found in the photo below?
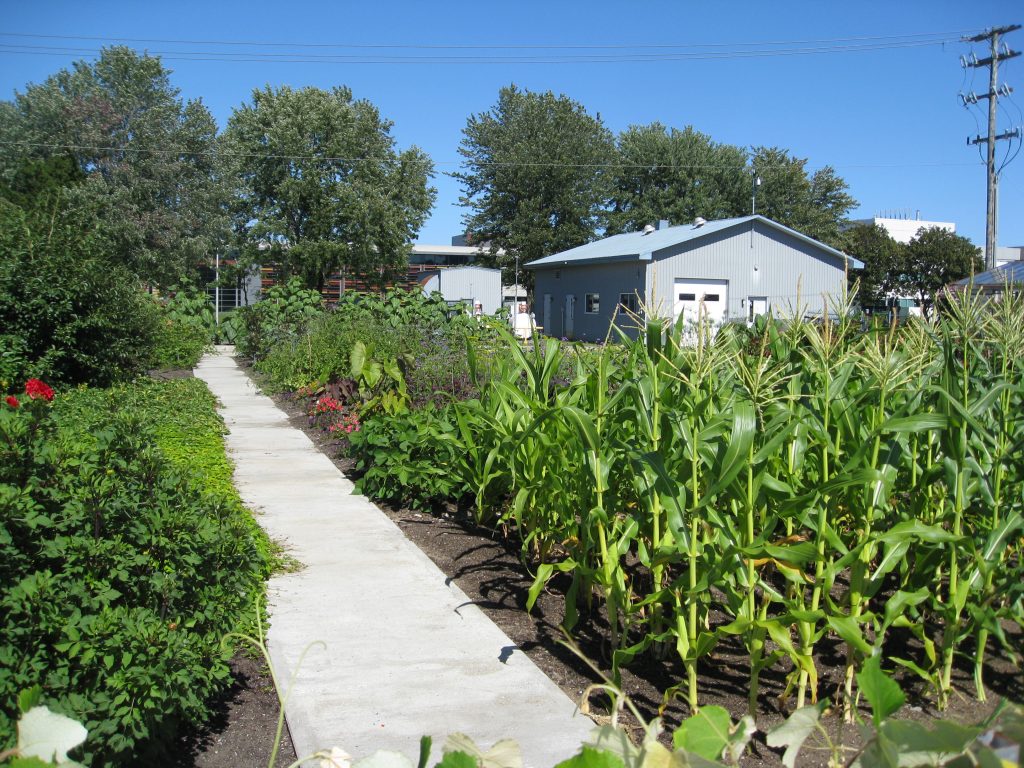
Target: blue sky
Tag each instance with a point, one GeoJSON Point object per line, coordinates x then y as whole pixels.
{"type": "Point", "coordinates": [888, 120]}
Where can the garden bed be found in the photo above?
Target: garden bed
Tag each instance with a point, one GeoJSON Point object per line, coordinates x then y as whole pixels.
{"type": "Point", "coordinates": [487, 568]}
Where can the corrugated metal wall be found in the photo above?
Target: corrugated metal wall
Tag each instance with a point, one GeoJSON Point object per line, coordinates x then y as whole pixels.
{"type": "Point", "coordinates": [608, 281]}
{"type": "Point", "coordinates": [468, 283]}
{"type": "Point", "coordinates": [758, 261]}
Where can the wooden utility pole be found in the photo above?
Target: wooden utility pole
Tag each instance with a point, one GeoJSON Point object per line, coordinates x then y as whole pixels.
{"type": "Point", "coordinates": [994, 92]}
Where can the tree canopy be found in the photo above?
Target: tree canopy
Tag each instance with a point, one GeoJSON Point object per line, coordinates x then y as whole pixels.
{"type": "Point", "coordinates": [319, 186]}
{"type": "Point", "coordinates": [933, 259]}
{"type": "Point", "coordinates": [534, 175]}
{"type": "Point", "coordinates": [677, 175]}
{"type": "Point", "coordinates": [540, 175]}
{"type": "Point", "coordinates": [883, 260]}
{"type": "Point", "coordinates": [147, 156]}
{"type": "Point", "coordinates": [814, 204]}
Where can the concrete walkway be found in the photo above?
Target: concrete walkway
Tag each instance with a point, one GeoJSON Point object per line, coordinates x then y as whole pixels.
{"type": "Point", "coordinates": [406, 654]}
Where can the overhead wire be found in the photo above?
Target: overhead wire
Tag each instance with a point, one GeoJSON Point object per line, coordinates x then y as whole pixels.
{"type": "Point", "coordinates": [547, 164]}
{"type": "Point", "coordinates": [553, 53]}
{"type": "Point", "coordinates": [492, 45]}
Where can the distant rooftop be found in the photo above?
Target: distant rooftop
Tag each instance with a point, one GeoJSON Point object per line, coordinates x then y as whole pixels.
{"type": "Point", "coordinates": [641, 245]}
{"type": "Point", "coordinates": [903, 228]}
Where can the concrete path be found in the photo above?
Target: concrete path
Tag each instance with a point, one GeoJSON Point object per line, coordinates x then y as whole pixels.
{"type": "Point", "coordinates": [406, 654]}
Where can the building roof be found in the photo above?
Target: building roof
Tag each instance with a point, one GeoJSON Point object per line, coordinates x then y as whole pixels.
{"type": "Point", "coordinates": [995, 278]}
{"type": "Point", "coordinates": [641, 246]}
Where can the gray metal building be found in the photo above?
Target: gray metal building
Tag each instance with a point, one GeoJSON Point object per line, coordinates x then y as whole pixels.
{"type": "Point", "coordinates": [472, 285]}
{"type": "Point", "coordinates": [731, 269]}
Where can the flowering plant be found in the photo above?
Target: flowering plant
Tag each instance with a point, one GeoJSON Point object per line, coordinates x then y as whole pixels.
{"type": "Point", "coordinates": [36, 390]}
{"type": "Point", "coordinates": [12, 401]}
{"type": "Point", "coordinates": [348, 424]}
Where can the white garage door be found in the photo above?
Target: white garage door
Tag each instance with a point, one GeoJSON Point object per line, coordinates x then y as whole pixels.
{"type": "Point", "coordinates": [697, 298]}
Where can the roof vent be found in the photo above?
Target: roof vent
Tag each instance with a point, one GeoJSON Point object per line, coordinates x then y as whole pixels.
{"type": "Point", "coordinates": [663, 224]}
{"type": "Point", "coordinates": [648, 229]}
{"type": "Point", "coordinates": [699, 222]}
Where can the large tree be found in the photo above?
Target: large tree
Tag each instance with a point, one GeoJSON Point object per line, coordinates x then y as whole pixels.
{"type": "Point", "coordinates": [814, 204]}
{"type": "Point", "coordinates": [534, 175]}
{"type": "Point", "coordinates": [320, 187]}
{"type": "Point", "coordinates": [148, 157]}
{"type": "Point", "coordinates": [679, 175]}
{"type": "Point", "coordinates": [934, 259]}
{"type": "Point", "coordinates": [676, 175]}
{"type": "Point", "coordinates": [884, 260]}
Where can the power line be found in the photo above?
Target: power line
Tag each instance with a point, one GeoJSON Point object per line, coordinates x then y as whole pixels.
{"type": "Point", "coordinates": [328, 159]}
{"type": "Point", "coordinates": [611, 58]}
{"type": "Point", "coordinates": [945, 37]}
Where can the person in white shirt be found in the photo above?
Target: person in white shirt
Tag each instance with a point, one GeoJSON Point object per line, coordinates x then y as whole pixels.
{"type": "Point", "coordinates": [522, 322]}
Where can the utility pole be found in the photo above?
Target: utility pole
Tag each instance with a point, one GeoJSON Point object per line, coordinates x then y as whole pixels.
{"type": "Point", "coordinates": [994, 92]}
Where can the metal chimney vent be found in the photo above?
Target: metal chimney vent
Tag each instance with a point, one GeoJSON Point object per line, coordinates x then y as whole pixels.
{"type": "Point", "coordinates": [699, 222]}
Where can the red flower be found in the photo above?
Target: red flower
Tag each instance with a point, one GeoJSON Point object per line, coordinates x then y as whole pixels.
{"type": "Point", "coordinates": [12, 401]}
{"type": "Point", "coordinates": [35, 389]}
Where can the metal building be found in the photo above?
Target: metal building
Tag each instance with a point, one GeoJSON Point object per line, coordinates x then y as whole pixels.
{"type": "Point", "coordinates": [731, 269]}
{"type": "Point", "coordinates": [472, 285]}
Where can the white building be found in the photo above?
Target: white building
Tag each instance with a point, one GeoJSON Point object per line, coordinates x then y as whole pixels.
{"type": "Point", "coordinates": [903, 229]}
{"type": "Point", "coordinates": [477, 287]}
{"type": "Point", "coordinates": [1007, 254]}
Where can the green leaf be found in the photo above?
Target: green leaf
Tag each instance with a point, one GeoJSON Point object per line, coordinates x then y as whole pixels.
{"type": "Point", "coordinates": [848, 629]}
{"type": "Point", "coordinates": [29, 698]}
{"type": "Point", "coordinates": [454, 760]}
{"type": "Point", "coordinates": [794, 731]}
{"type": "Point", "coordinates": [544, 572]}
{"type": "Point", "coordinates": [504, 754]}
{"type": "Point", "coordinates": [592, 758]}
{"type": "Point", "coordinates": [881, 691]}
{"type": "Point", "coordinates": [705, 733]}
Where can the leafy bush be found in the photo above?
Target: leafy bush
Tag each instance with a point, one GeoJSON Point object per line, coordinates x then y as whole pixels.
{"type": "Point", "coordinates": [406, 458]}
{"type": "Point", "coordinates": [281, 315]}
{"type": "Point", "coordinates": [120, 569]}
{"type": "Point", "coordinates": [67, 314]}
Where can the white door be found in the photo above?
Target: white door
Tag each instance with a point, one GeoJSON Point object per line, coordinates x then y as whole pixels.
{"type": "Point", "coordinates": [546, 317]}
{"type": "Point", "coordinates": [757, 306]}
{"type": "Point", "coordinates": [567, 324]}
{"type": "Point", "coordinates": [701, 299]}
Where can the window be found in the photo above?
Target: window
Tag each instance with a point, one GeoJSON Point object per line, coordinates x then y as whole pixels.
{"type": "Point", "coordinates": [628, 302]}
{"type": "Point", "coordinates": [687, 297]}
{"type": "Point", "coordinates": [593, 303]}
{"type": "Point", "coordinates": [711, 297]}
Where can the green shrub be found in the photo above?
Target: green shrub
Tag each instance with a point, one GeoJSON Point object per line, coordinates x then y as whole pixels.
{"type": "Point", "coordinates": [67, 313]}
{"type": "Point", "coordinates": [177, 344]}
{"type": "Point", "coordinates": [125, 557]}
{"type": "Point", "coordinates": [281, 315]}
{"type": "Point", "coordinates": [406, 458]}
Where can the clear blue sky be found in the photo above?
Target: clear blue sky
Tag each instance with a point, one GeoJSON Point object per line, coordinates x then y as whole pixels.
{"type": "Point", "coordinates": [888, 120]}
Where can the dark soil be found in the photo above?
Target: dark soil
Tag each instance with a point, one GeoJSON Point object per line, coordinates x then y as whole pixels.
{"type": "Point", "coordinates": [487, 567]}
{"type": "Point", "coordinates": [241, 732]}
{"type": "Point", "coordinates": [171, 373]}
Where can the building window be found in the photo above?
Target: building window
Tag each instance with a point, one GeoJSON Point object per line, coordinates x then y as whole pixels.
{"type": "Point", "coordinates": [628, 302]}
{"type": "Point", "coordinates": [687, 297]}
{"type": "Point", "coordinates": [711, 297]}
{"type": "Point", "coordinates": [593, 303]}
